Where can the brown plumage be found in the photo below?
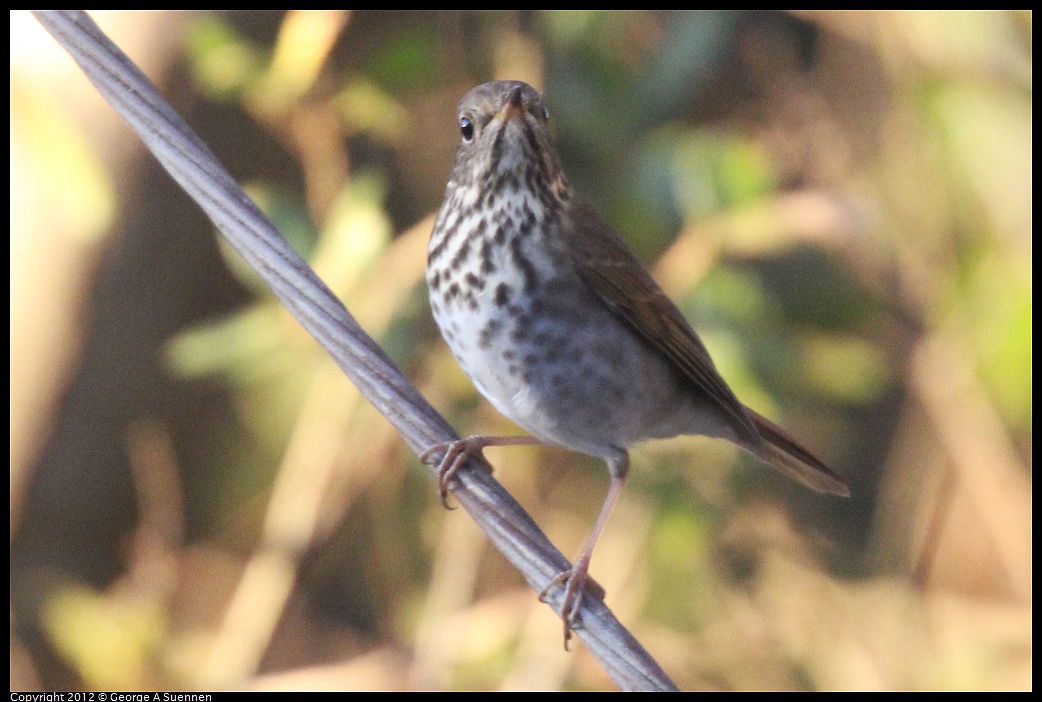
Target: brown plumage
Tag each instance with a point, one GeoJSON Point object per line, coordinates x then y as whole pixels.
{"type": "Point", "coordinates": [559, 325]}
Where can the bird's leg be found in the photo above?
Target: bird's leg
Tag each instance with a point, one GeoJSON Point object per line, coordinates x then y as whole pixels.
{"type": "Point", "coordinates": [576, 577]}
{"type": "Point", "coordinates": [456, 453]}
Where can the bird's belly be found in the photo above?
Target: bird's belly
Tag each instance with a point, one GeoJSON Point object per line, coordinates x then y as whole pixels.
{"type": "Point", "coordinates": [559, 364]}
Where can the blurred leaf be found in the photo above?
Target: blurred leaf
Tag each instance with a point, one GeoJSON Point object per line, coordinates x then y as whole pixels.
{"type": "Point", "coordinates": [305, 40]}
{"type": "Point", "coordinates": [64, 166]}
{"type": "Point", "coordinates": [989, 134]}
{"type": "Point", "coordinates": [241, 350]}
{"type": "Point", "coordinates": [356, 234]}
{"type": "Point", "coordinates": [680, 555]}
{"type": "Point", "coordinates": [731, 296]}
{"type": "Point", "coordinates": [714, 171]}
{"type": "Point", "coordinates": [107, 639]}
{"type": "Point", "coordinates": [570, 27]}
{"type": "Point", "coordinates": [1000, 299]}
{"type": "Point", "coordinates": [222, 63]}
{"type": "Point", "coordinates": [845, 370]}
{"type": "Point", "coordinates": [367, 108]}
{"type": "Point", "coordinates": [406, 61]}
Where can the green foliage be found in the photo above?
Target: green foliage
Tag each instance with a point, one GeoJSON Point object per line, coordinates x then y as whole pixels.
{"type": "Point", "coordinates": [831, 198]}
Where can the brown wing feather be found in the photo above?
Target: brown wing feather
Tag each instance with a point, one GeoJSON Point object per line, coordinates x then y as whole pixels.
{"type": "Point", "coordinates": [613, 273]}
{"type": "Point", "coordinates": [606, 265]}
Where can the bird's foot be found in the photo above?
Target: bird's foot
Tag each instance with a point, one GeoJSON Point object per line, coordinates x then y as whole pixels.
{"type": "Point", "coordinates": [577, 583]}
{"type": "Point", "coordinates": [453, 455]}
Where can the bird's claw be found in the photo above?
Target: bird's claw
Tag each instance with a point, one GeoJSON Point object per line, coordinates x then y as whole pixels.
{"type": "Point", "coordinates": [577, 584]}
{"type": "Point", "coordinates": [454, 455]}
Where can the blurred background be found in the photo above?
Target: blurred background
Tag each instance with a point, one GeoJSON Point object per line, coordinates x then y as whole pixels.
{"type": "Point", "coordinates": [839, 201]}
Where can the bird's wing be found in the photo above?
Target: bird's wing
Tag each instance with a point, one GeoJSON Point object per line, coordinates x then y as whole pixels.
{"type": "Point", "coordinates": [613, 273]}
{"type": "Point", "coordinates": [606, 265]}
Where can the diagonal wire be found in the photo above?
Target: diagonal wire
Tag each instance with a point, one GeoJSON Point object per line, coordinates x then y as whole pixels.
{"type": "Point", "coordinates": [197, 170]}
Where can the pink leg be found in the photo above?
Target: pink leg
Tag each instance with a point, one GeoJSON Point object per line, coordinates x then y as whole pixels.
{"type": "Point", "coordinates": [576, 577]}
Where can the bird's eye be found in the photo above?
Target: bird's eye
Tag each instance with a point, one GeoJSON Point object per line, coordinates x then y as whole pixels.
{"type": "Point", "coordinates": [466, 129]}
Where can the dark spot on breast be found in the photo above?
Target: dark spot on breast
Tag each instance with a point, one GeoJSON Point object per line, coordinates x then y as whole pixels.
{"type": "Point", "coordinates": [525, 228]}
{"type": "Point", "coordinates": [553, 353]}
{"type": "Point", "coordinates": [532, 180]}
{"type": "Point", "coordinates": [442, 236]}
{"type": "Point", "coordinates": [528, 272]}
{"type": "Point", "coordinates": [475, 282]}
{"type": "Point", "coordinates": [488, 333]}
{"type": "Point", "coordinates": [487, 266]}
{"type": "Point", "coordinates": [461, 253]}
{"type": "Point", "coordinates": [522, 326]}
{"type": "Point", "coordinates": [502, 297]}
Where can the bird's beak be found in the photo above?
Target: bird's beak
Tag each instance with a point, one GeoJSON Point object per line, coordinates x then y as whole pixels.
{"type": "Point", "coordinates": [512, 105]}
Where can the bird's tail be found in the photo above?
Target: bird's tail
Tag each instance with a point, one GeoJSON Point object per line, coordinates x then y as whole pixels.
{"type": "Point", "coordinates": [790, 458]}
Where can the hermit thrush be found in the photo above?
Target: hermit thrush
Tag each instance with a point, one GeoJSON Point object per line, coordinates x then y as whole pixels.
{"type": "Point", "coordinates": [559, 326]}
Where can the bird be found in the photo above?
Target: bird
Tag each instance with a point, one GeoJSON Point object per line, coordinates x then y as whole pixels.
{"type": "Point", "coordinates": [561, 328]}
